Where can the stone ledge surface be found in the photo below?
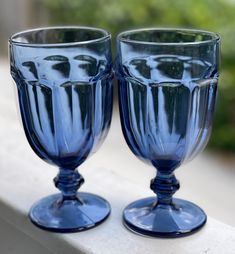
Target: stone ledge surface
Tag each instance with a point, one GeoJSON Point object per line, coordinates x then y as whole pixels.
{"type": "Point", "coordinates": [25, 183]}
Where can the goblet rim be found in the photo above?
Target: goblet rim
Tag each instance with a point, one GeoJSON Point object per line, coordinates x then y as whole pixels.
{"type": "Point", "coordinates": [12, 40]}
{"type": "Point", "coordinates": [215, 37]}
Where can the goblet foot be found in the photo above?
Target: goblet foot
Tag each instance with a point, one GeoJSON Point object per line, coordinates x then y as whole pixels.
{"type": "Point", "coordinates": [180, 218]}
{"type": "Point", "coordinates": [64, 216]}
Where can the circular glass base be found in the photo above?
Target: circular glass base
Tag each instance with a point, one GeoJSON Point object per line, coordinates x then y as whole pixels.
{"type": "Point", "coordinates": [53, 214]}
{"type": "Point", "coordinates": [146, 217]}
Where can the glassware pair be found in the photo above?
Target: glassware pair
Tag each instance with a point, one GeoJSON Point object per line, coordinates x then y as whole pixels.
{"type": "Point", "coordinates": [167, 89]}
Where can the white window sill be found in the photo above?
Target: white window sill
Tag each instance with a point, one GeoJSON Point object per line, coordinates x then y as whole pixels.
{"type": "Point", "coordinates": [25, 183]}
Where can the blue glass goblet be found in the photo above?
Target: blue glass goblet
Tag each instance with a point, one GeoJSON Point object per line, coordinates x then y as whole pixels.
{"type": "Point", "coordinates": [64, 82]}
{"type": "Point", "coordinates": [167, 90]}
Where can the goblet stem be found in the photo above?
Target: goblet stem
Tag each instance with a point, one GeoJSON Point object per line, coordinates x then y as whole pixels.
{"type": "Point", "coordinates": [68, 181]}
{"type": "Point", "coordinates": [70, 212]}
{"type": "Point", "coordinates": [164, 185]}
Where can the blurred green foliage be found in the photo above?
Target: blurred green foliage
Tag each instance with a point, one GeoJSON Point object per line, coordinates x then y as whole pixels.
{"type": "Point", "coordinates": [214, 15]}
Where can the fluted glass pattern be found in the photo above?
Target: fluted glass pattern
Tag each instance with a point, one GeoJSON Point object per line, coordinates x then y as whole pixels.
{"type": "Point", "coordinates": [168, 113]}
{"type": "Point", "coordinates": [65, 101]}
